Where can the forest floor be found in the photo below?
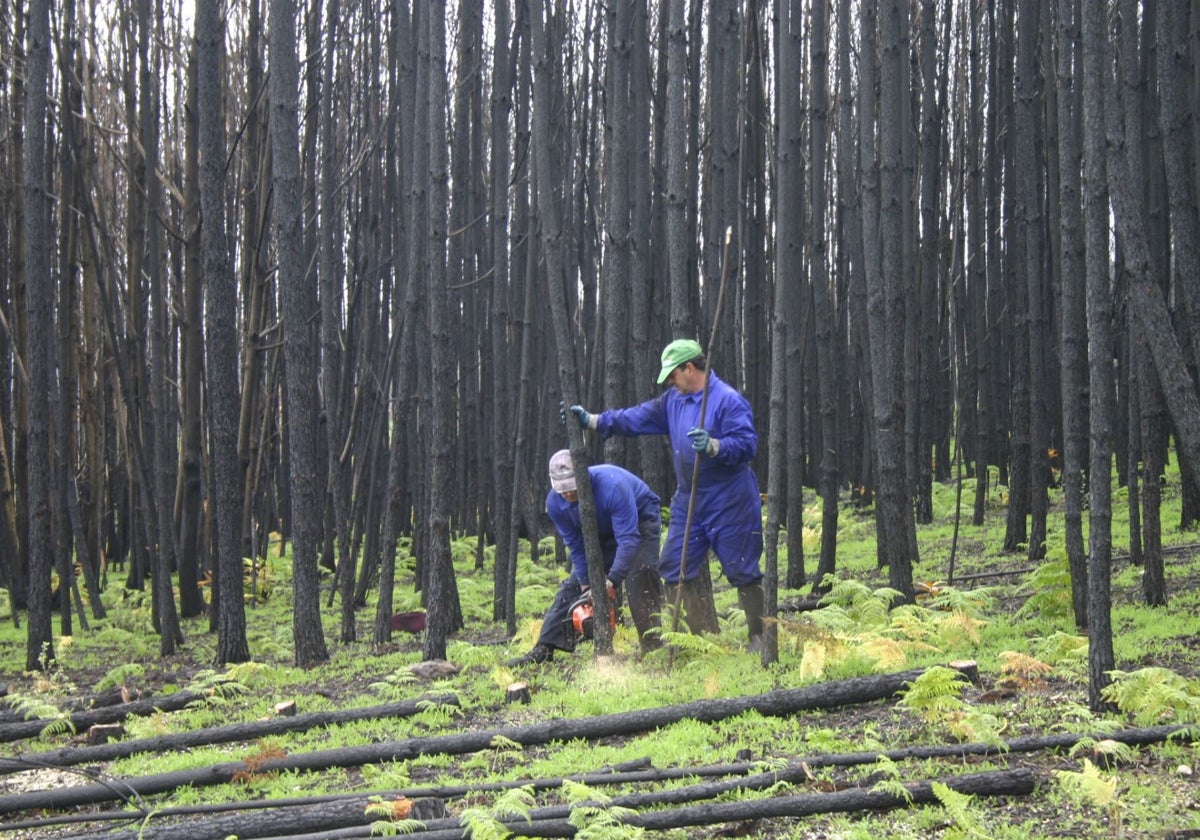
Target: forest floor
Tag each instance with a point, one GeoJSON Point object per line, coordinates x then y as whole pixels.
{"type": "Point", "coordinates": [1094, 790]}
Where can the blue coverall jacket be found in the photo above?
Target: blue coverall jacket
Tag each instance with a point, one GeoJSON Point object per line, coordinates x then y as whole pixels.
{"type": "Point", "coordinates": [629, 519]}
{"type": "Point", "coordinates": [728, 513]}
{"type": "Point", "coordinates": [623, 503]}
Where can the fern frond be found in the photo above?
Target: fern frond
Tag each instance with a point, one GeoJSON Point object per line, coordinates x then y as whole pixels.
{"type": "Point", "coordinates": [1051, 584]}
{"type": "Point", "coordinates": [973, 601]}
{"type": "Point", "coordinates": [886, 653]}
{"type": "Point", "coordinates": [578, 792]}
{"type": "Point", "coordinates": [959, 625]}
{"type": "Point", "coordinates": [960, 809]}
{"type": "Point", "coordinates": [59, 726]}
{"type": "Point", "coordinates": [893, 786]}
{"type": "Point", "coordinates": [1088, 785]}
{"type": "Point", "coordinates": [812, 663]}
{"type": "Point", "coordinates": [1153, 695]}
{"type": "Point", "coordinates": [699, 646]}
{"type": "Point", "coordinates": [119, 676]}
{"type": "Point", "coordinates": [32, 707]}
{"type": "Point", "coordinates": [499, 742]}
{"type": "Point", "coordinates": [516, 802]}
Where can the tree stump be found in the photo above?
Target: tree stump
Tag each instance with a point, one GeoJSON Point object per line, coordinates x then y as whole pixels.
{"type": "Point", "coordinates": [102, 732]}
{"type": "Point", "coordinates": [287, 708]}
{"type": "Point", "coordinates": [969, 668]}
{"type": "Point", "coordinates": [518, 692]}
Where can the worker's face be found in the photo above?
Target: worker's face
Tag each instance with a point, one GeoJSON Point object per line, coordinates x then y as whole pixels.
{"type": "Point", "coordinates": [685, 379]}
{"type": "Point", "coordinates": [570, 496]}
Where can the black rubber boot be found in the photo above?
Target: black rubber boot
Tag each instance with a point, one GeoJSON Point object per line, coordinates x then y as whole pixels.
{"type": "Point", "coordinates": [540, 653]}
{"type": "Point", "coordinates": [750, 598]}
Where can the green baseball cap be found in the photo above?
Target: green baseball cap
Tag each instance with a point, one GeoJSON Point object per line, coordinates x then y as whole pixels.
{"type": "Point", "coordinates": [676, 353]}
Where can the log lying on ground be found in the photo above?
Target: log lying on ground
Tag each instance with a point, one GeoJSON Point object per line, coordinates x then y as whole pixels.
{"type": "Point", "coordinates": [773, 703]}
{"type": "Point", "coordinates": [633, 772]}
{"type": "Point", "coordinates": [327, 818]}
{"type": "Point", "coordinates": [68, 756]}
{"type": "Point", "coordinates": [624, 775]}
{"type": "Point", "coordinates": [81, 721]}
{"type": "Point", "coordinates": [1001, 783]}
{"type": "Point", "coordinates": [111, 697]}
{"type": "Point", "coordinates": [552, 822]}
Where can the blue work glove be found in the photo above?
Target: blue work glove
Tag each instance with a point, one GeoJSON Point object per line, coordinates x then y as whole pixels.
{"type": "Point", "coordinates": [703, 442]}
{"type": "Point", "coordinates": [586, 421]}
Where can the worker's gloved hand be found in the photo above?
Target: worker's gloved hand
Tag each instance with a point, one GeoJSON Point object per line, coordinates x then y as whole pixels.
{"type": "Point", "coordinates": [611, 589]}
{"type": "Point", "coordinates": [702, 441]}
{"type": "Point", "coordinates": [586, 421]}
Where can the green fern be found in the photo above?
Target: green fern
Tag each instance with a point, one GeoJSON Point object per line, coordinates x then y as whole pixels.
{"type": "Point", "coordinates": [436, 714]}
{"type": "Point", "coordinates": [604, 823]}
{"type": "Point", "coordinates": [1154, 695]}
{"type": "Point", "coordinates": [1108, 750]}
{"type": "Point", "coordinates": [594, 816]}
{"type": "Point", "coordinates": [219, 686]}
{"type": "Point", "coordinates": [868, 607]}
{"type": "Point", "coordinates": [395, 828]}
{"type": "Point", "coordinates": [32, 707]}
{"type": "Point", "coordinates": [378, 806]}
{"type": "Point", "coordinates": [120, 675]}
{"type": "Point", "coordinates": [59, 726]}
{"type": "Point", "coordinates": [1068, 654]}
{"type": "Point", "coordinates": [499, 742]}
{"type": "Point", "coordinates": [395, 683]}
{"type": "Point", "coordinates": [892, 779]}
{"type": "Point", "coordinates": [895, 787]}
{"type": "Point", "coordinates": [959, 807]}
{"type": "Point", "coordinates": [694, 645]}
{"type": "Point", "coordinates": [935, 696]}
{"type": "Point", "coordinates": [1051, 584]}
{"type": "Point", "coordinates": [486, 823]}
{"type": "Point", "coordinates": [1088, 786]}
{"type": "Point", "coordinates": [935, 692]}
{"type": "Point", "coordinates": [973, 601]}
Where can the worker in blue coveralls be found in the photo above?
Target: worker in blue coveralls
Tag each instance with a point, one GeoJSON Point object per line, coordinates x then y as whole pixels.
{"type": "Point", "coordinates": [728, 510]}
{"type": "Point", "coordinates": [629, 521]}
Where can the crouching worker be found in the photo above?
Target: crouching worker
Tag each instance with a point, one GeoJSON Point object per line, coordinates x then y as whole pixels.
{"type": "Point", "coordinates": [629, 520]}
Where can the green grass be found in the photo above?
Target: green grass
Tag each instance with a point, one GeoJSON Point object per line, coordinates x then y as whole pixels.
{"type": "Point", "coordinates": [1019, 628]}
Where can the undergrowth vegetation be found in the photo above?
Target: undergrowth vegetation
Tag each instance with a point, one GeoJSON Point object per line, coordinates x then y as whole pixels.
{"type": "Point", "coordinates": [1017, 625]}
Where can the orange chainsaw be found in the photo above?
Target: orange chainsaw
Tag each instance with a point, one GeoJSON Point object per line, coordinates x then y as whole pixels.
{"type": "Point", "coordinates": [581, 616]}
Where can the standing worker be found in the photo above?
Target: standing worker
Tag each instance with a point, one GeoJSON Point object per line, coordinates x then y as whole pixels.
{"type": "Point", "coordinates": [728, 508]}
{"type": "Point", "coordinates": [629, 521]}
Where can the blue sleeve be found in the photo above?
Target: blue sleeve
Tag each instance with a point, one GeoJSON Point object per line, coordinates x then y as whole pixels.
{"type": "Point", "coordinates": [733, 424]}
{"type": "Point", "coordinates": [569, 529]}
{"type": "Point", "coordinates": [618, 499]}
{"type": "Point", "coordinates": [648, 418]}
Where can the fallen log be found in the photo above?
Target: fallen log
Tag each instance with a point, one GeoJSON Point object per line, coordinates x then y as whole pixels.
{"type": "Point", "coordinates": [552, 822]}
{"type": "Point", "coordinates": [773, 703]}
{"type": "Point", "coordinates": [605, 775]}
{"type": "Point", "coordinates": [111, 697]}
{"type": "Point", "coordinates": [621, 773]}
{"type": "Point", "coordinates": [796, 770]}
{"type": "Point", "coordinates": [81, 721]}
{"type": "Point", "coordinates": [333, 817]}
{"type": "Point", "coordinates": [249, 731]}
{"type": "Point", "coordinates": [1034, 743]}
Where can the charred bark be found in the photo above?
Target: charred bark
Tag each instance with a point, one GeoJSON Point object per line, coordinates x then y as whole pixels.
{"type": "Point", "coordinates": [775, 703]}
{"type": "Point", "coordinates": [230, 733]}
